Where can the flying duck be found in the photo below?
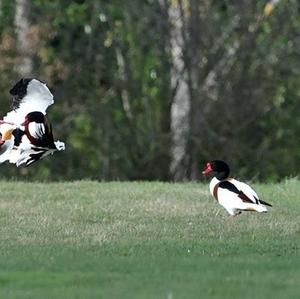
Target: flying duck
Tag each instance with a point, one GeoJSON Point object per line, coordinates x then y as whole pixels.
{"type": "Point", "coordinates": [31, 131]}
{"type": "Point", "coordinates": [233, 195]}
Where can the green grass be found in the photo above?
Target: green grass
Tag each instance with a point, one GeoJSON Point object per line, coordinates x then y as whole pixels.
{"type": "Point", "coordinates": [145, 240]}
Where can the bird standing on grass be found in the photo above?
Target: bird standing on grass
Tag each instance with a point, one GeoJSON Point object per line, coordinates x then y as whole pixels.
{"type": "Point", "coordinates": [233, 195]}
{"type": "Point", "coordinates": [26, 132]}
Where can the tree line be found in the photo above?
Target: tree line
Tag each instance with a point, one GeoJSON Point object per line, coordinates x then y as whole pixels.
{"type": "Point", "coordinates": [153, 89]}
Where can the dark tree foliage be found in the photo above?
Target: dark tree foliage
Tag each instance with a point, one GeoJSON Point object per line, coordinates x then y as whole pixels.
{"type": "Point", "coordinates": [111, 67]}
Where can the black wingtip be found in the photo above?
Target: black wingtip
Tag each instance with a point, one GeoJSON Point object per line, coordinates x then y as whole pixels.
{"type": "Point", "coordinates": [265, 203]}
{"type": "Point", "coordinates": [19, 91]}
{"type": "Point", "coordinates": [20, 88]}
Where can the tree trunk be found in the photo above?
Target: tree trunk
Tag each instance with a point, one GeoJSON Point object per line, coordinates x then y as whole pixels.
{"type": "Point", "coordinates": [23, 43]}
{"type": "Point", "coordinates": [180, 109]}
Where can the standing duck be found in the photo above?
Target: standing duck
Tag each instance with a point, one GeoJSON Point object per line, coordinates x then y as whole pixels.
{"type": "Point", "coordinates": [233, 195]}
{"type": "Point", "coordinates": [33, 138]}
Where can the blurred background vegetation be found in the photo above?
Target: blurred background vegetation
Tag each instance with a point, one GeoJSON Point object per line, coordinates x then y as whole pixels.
{"type": "Point", "coordinates": [152, 89]}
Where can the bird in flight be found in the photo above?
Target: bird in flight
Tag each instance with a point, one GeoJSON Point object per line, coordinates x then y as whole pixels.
{"type": "Point", "coordinates": [26, 133]}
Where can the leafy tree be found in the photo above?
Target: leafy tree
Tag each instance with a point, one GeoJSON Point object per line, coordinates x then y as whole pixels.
{"type": "Point", "coordinates": [119, 69]}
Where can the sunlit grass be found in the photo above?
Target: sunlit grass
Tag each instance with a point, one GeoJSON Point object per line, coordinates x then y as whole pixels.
{"type": "Point", "coordinates": [145, 240]}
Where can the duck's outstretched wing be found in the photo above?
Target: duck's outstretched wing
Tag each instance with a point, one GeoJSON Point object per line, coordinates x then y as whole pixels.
{"type": "Point", "coordinates": [30, 140]}
{"type": "Point", "coordinates": [32, 155]}
{"type": "Point", "coordinates": [27, 153]}
{"type": "Point", "coordinates": [28, 95]}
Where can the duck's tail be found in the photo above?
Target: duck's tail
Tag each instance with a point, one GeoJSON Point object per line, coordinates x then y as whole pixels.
{"type": "Point", "coordinates": [265, 203]}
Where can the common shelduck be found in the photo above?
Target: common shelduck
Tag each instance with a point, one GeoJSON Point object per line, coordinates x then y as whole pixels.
{"type": "Point", "coordinates": [26, 131]}
{"type": "Point", "coordinates": [233, 195]}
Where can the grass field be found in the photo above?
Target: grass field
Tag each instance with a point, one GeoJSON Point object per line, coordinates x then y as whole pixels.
{"type": "Point", "coordinates": [145, 240]}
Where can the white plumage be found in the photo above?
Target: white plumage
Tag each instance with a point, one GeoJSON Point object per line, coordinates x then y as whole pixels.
{"type": "Point", "coordinates": [232, 202]}
{"type": "Point", "coordinates": [233, 195]}
{"type": "Point", "coordinates": [37, 98]}
{"type": "Point", "coordinates": [31, 138]}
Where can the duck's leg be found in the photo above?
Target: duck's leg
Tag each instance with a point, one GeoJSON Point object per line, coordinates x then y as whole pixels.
{"type": "Point", "coordinates": [235, 214]}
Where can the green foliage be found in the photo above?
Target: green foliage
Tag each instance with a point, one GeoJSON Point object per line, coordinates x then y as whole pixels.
{"type": "Point", "coordinates": [110, 66]}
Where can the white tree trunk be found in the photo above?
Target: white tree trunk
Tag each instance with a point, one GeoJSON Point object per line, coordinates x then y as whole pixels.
{"type": "Point", "coordinates": [180, 109]}
{"type": "Point", "coordinates": [23, 42]}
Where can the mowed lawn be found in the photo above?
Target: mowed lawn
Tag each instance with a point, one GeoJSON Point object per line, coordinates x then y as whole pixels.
{"type": "Point", "coordinates": [145, 240]}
